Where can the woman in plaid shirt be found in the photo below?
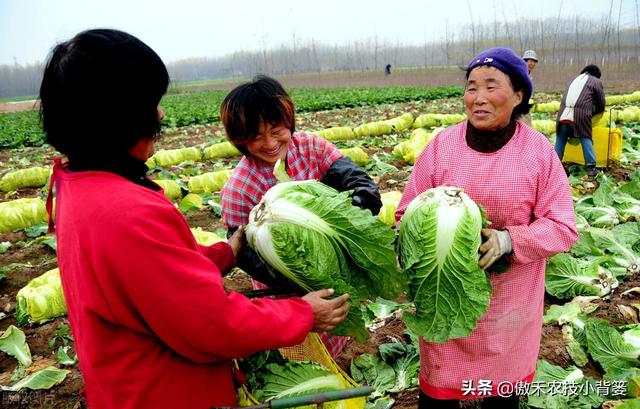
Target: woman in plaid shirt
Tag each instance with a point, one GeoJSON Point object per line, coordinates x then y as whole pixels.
{"type": "Point", "coordinates": [259, 119]}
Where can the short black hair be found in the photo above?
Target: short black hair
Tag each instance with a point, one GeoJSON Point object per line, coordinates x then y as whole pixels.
{"type": "Point", "coordinates": [99, 94]}
{"type": "Point", "coordinates": [262, 100]}
{"type": "Point", "coordinates": [593, 70]}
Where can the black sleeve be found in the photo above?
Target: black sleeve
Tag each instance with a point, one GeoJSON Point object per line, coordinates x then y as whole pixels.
{"type": "Point", "coordinates": [251, 263]}
{"type": "Point", "coordinates": [343, 175]}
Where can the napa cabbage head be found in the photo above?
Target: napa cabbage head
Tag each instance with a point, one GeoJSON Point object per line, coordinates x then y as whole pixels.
{"type": "Point", "coordinates": [314, 236]}
{"type": "Point", "coordinates": [439, 240]}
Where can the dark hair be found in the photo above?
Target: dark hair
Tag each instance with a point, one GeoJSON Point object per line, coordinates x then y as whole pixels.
{"type": "Point", "coordinates": [518, 84]}
{"type": "Point", "coordinates": [260, 101]}
{"type": "Point", "coordinates": [523, 107]}
{"type": "Point", "coordinates": [593, 70]}
{"type": "Point", "coordinates": [99, 94]}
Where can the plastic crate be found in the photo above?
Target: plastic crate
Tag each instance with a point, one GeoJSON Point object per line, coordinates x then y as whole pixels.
{"type": "Point", "coordinates": [607, 144]}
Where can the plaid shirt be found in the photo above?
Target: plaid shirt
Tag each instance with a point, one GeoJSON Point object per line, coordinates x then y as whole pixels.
{"type": "Point", "coordinates": [308, 157]}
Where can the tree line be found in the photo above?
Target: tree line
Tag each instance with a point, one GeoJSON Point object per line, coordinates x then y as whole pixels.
{"type": "Point", "coordinates": [574, 41]}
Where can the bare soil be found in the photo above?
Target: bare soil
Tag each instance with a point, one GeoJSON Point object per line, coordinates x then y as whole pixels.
{"type": "Point", "coordinates": [19, 106]}
{"type": "Point", "coordinates": [617, 80]}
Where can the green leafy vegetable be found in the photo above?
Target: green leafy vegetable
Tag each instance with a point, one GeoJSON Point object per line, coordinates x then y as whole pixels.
{"type": "Point", "coordinates": [30, 177]}
{"type": "Point", "coordinates": [438, 242]}
{"type": "Point", "coordinates": [314, 236]}
{"type": "Point", "coordinates": [43, 379]}
{"type": "Point", "coordinates": [613, 351]}
{"type": "Point", "coordinates": [41, 299]}
{"type": "Point", "coordinates": [295, 379]}
{"type": "Point", "coordinates": [21, 213]}
{"type": "Point", "coordinates": [405, 361]}
{"type": "Point", "coordinates": [568, 277]}
{"type": "Point", "coordinates": [368, 369]}
{"type": "Point", "coordinates": [13, 342]}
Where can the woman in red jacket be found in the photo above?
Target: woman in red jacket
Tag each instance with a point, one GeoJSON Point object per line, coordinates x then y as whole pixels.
{"type": "Point", "coordinates": [152, 323]}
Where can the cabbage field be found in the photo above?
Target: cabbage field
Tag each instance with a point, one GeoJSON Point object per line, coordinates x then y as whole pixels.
{"type": "Point", "coordinates": [590, 349]}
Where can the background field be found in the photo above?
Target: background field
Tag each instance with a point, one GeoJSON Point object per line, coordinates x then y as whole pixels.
{"type": "Point", "coordinates": [192, 121]}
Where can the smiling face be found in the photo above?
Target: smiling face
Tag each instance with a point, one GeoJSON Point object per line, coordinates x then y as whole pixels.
{"type": "Point", "coordinates": [270, 144]}
{"type": "Point", "coordinates": [489, 98]}
{"type": "Point", "coordinates": [531, 64]}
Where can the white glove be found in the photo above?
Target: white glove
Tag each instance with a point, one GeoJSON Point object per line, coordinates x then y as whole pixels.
{"type": "Point", "coordinates": [496, 244]}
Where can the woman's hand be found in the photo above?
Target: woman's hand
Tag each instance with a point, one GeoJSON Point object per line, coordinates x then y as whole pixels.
{"type": "Point", "coordinates": [497, 243]}
{"type": "Point", "coordinates": [236, 241]}
{"type": "Point", "coordinates": [327, 314]}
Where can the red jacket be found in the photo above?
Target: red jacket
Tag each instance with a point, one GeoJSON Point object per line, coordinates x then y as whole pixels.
{"type": "Point", "coordinates": [153, 326]}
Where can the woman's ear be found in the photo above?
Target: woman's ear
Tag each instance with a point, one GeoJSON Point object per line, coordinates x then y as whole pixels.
{"type": "Point", "coordinates": [518, 98]}
{"type": "Point", "coordinates": [143, 149]}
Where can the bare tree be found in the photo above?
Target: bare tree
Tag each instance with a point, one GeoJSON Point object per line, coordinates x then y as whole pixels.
{"type": "Point", "coordinates": [618, 32]}
{"type": "Point", "coordinates": [555, 35]}
{"type": "Point", "coordinates": [637, 42]}
{"type": "Point", "coordinates": [473, 29]}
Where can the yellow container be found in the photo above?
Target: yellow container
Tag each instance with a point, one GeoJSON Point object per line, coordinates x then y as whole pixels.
{"type": "Point", "coordinates": [311, 349]}
{"type": "Point", "coordinates": [607, 144]}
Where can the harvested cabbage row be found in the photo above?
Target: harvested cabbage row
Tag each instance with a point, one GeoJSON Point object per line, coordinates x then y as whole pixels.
{"type": "Point", "coordinates": [339, 133]}
{"type": "Point", "coordinates": [170, 187]}
{"type": "Point", "coordinates": [31, 177]}
{"type": "Point", "coordinates": [544, 126]}
{"type": "Point", "coordinates": [438, 243]}
{"type": "Point", "coordinates": [434, 120]}
{"type": "Point", "coordinates": [21, 213]}
{"type": "Point", "coordinates": [627, 115]}
{"type": "Point", "coordinates": [622, 99]}
{"type": "Point", "coordinates": [209, 182]}
{"type": "Point", "coordinates": [314, 236]}
{"type": "Point", "coordinates": [41, 300]}
{"type": "Point", "coordinates": [373, 129]}
{"type": "Point", "coordinates": [221, 150]}
{"type": "Point", "coordinates": [411, 149]}
{"type": "Point", "coordinates": [547, 107]}
{"type": "Point", "coordinates": [356, 154]}
{"type": "Point", "coordinates": [174, 157]}
{"type": "Point", "coordinates": [401, 122]}
{"type": "Point", "coordinates": [378, 128]}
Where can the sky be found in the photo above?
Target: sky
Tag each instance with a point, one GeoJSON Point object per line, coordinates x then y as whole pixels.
{"type": "Point", "coordinates": [182, 29]}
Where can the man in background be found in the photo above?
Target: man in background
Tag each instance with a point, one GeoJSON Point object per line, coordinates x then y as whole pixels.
{"type": "Point", "coordinates": [531, 58]}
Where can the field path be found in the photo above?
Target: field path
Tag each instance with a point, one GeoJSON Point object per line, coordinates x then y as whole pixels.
{"type": "Point", "coordinates": [19, 106]}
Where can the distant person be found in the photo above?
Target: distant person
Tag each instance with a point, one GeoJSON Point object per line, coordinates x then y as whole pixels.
{"type": "Point", "coordinates": [387, 70]}
{"type": "Point", "coordinates": [531, 58]}
{"type": "Point", "coordinates": [583, 99]}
